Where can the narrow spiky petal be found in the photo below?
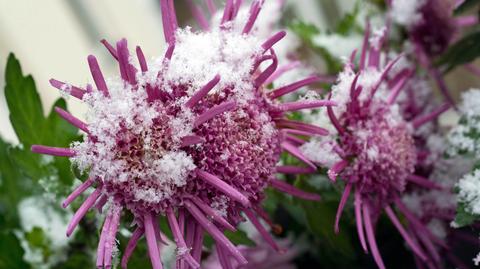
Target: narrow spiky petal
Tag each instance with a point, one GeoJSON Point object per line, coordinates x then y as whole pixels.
{"type": "Point", "coordinates": [54, 151]}
{"type": "Point", "coordinates": [131, 245]}
{"type": "Point", "coordinates": [73, 90]}
{"type": "Point", "coordinates": [101, 241]}
{"type": "Point", "coordinates": [397, 88]}
{"type": "Point", "coordinates": [202, 92]}
{"type": "Point", "coordinates": [297, 132]}
{"type": "Point", "coordinates": [83, 210]}
{"type": "Point", "coordinates": [371, 237]}
{"type": "Point", "coordinates": [334, 120]}
{"type": "Point", "coordinates": [79, 190]}
{"type": "Point", "coordinates": [260, 80]}
{"type": "Point", "coordinates": [297, 153]}
{"type": "Point", "coordinates": [141, 59]}
{"type": "Point", "coordinates": [71, 119]}
{"type": "Point", "coordinates": [341, 206]}
{"type": "Point", "coordinates": [110, 48]}
{"type": "Point", "coordinates": [213, 112]}
{"type": "Point", "coordinates": [417, 224]}
{"type": "Point", "coordinates": [168, 29]}
{"type": "Point", "coordinates": [211, 6]}
{"type": "Point", "coordinates": [363, 55]}
{"type": "Point", "coordinates": [191, 140]}
{"type": "Point", "coordinates": [295, 141]}
{"type": "Point", "coordinates": [255, 8]}
{"type": "Point", "coordinates": [169, 52]}
{"type": "Point", "coordinates": [198, 242]}
{"type": "Point", "coordinates": [97, 75]}
{"type": "Point", "coordinates": [405, 234]}
{"type": "Point", "coordinates": [359, 220]}
{"type": "Point", "coordinates": [127, 70]}
{"type": "Point", "coordinates": [228, 11]}
{"type": "Point", "coordinates": [263, 232]}
{"type": "Point", "coordinates": [421, 120]}
{"type": "Point", "coordinates": [336, 169]}
{"type": "Point", "coordinates": [179, 240]}
{"type": "Point", "coordinates": [421, 181]}
{"type": "Point", "coordinates": [437, 76]}
{"type": "Point", "coordinates": [101, 203]}
{"type": "Point", "coordinates": [210, 212]}
{"type": "Point", "coordinates": [153, 250]}
{"type": "Point", "coordinates": [287, 188]}
{"type": "Point", "coordinates": [223, 187]}
{"type": "Point", "coordinates": [432, 250]}
{"type": "Point", "coordinates": [214, 232]}
{"type": "Point", "coordinates": [223, 258]}
{"type": "Point", "coordinates": [385, 73]}
{"type": "Point", "coordinates": [299, 105]}
{"type": "Point", "coordinates": [466, 20]}
{"type": "Point", "coordinates": [294, 86]}
{"type": "Point", "coordinates": [198, 15]}
{"type": "Point", "coordinates": [273, 40]}
{"type": "Point", "coordinates": [288, 169]}
{"type": "Point", "coordinates": [282, 70]}
{"type": "Point", "coordinates": [112, 231]}
{"type": "Point", "coordinates": [302, 126]}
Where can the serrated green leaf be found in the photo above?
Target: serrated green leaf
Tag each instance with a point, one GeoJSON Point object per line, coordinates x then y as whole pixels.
{"type": "Point", "coordinates": [465, 6]}
{"type": "Point", "coordinates": [32, 127]}
{"type": "Point", "coordinates": [26, 112]}
{"type": "Point", "coordinates": [464, 51]}
{"type": "Point", "coordinates": [11, 252]}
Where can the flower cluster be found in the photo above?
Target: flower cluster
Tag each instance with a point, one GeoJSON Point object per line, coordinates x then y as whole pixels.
{"type": "Point", "coordinates": [192, 136]}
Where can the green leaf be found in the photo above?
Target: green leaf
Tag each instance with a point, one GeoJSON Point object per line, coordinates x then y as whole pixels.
{"type": "Point", "coordinates": [32, 127]}
{"type": "Point", "coordinates": [465, 6]}
{"type": "Point", "coordinates": [11, 252]}
{"type": "Point", "coordinates": [464, 51]}
{"type": "Point", "coordinates": [320, 222]}
{"type": "Point", "coordinates": [463, 217]}
{"type": "Point", "coordinates": [348, 24]}
{"type": "Point", "coordinates": [26, 112]}
{"type": "Point", "coordinates": [13, 187]}
{"type": "Point", "coordinates": [239, 238]}
{"type": "Point", "coordinates": [304, 30]}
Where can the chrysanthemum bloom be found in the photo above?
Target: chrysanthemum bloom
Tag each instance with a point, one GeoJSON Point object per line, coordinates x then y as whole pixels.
{"type": "Point", "coordinates": [192, 137]}
{"type": "Point", "coordinates": [423, 19]}
{"type": "Point", "coordinates": [435, 206]}
{"type": "Point", "coordinates": [374, 150]}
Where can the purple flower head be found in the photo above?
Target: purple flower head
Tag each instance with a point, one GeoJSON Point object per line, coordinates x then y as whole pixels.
{"type": "Point", "coordinates": [374, 146]}
{"type": "Point", "coordinates": [431, 28]}
{"type": "Point", "coordinates": [192, 137]}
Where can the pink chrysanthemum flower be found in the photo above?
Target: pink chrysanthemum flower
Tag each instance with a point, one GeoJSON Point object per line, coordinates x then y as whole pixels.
{"type": "Point", "coordinates": [192, 137]}
{"type": "Point", "coordinates": [422, 19]}
{"type": "Point", "coordinates": [373, 150]}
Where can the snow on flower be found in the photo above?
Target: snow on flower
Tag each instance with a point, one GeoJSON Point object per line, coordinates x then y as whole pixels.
{"type": "Point", "coordinates": [469, 191]}
{"type": "Point", "coordinates": [464, 137]}
{"type": "Point", "coordinates": [192, 136]}
{"type": "Point", "coordinates": [374, 144]}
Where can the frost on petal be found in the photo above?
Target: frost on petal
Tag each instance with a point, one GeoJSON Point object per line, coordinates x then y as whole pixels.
{"type": "Point", "coordinates": [469, 192]}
